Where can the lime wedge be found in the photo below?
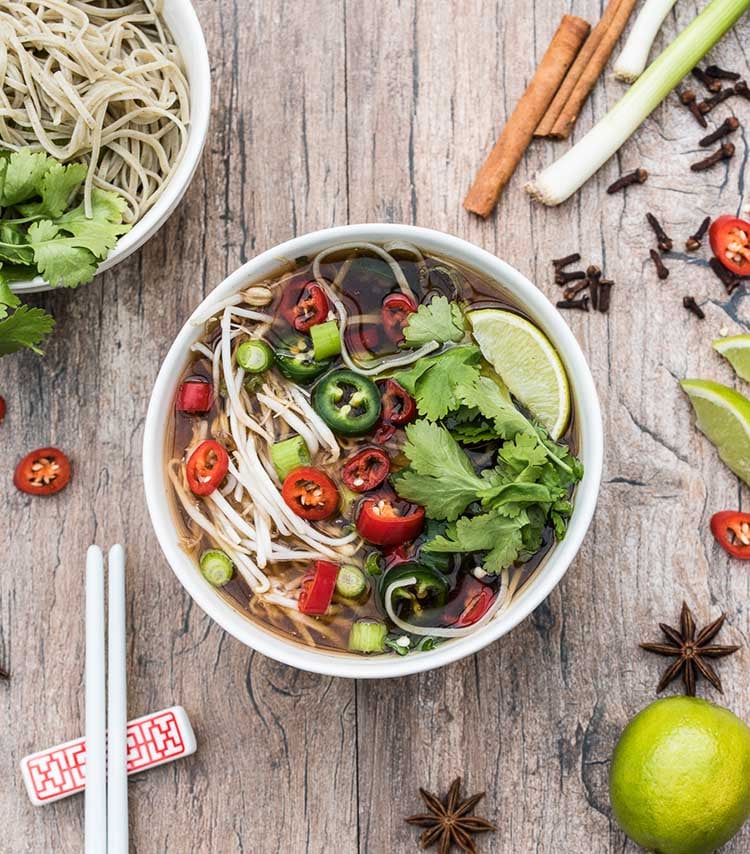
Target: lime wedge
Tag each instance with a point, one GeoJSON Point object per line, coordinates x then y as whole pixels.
{"type": "Point", "coordinates": [736, 350]}
{"type": "Point", "coordinates": [723, 415]}
{"type": "Point", "coordinates": [528, 364]}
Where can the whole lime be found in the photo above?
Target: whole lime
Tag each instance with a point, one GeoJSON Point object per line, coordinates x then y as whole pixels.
{"type": "Point", "coordinates": [680, 776]}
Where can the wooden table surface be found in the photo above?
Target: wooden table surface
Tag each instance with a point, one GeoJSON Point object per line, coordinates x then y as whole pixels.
{"type": "Point", "coordinates": [343, 111]}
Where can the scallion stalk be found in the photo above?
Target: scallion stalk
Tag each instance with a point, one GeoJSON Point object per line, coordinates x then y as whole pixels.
{"type": "Point", "coordinates": [634, 57]}
{"type": "Point", "coordinates": [367, 636]}
{"type": "Point", "coordinates": [560, 180]}
{"type": "Point", "coordinates": [289, 455]}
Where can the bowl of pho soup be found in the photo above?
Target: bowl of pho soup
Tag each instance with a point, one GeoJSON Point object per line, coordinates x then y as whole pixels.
{"type": "Point", "coordinates": [372, 450]}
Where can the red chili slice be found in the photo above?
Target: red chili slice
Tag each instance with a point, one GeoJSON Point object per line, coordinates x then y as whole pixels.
{"type": "Point", "coordinates": [730, 242]}
{"type": "Point", "coordinates": [366, 470]}
{"type": "Point", "coordinates": [317, 588]}
{"type": "Point", "coordinates": [398, 406]}
{"type": "Point", "coordinates": [304, 304]}
{"type": "Point", "coordinates": [387, 522]}
{"type": "Point", "coordinates": [732, 531]}
{"type": "Point", "coordinates": [194, 395]}
{"type": "Point", "coordinates": [310, 493]}
{"type": "Point", "coordinates": [42, 472]}
{"type": "Point", "coordinates": [396, 311]}
{"type": "Point", "coordinates": [362, 337]}
{"type": "Point", "coordinates": [476, 607]}
{"type": "Point", "coordinates": [207, 467]}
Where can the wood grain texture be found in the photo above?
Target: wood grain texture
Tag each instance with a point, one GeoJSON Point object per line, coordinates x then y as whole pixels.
{"type": "Point", "coordinates": [354, 110]}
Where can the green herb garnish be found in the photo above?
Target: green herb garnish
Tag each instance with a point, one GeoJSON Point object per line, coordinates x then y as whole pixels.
{"type": "Point", "coordinates": [440, 321]}
{"type": "Point", "coordinates": [43, 232]}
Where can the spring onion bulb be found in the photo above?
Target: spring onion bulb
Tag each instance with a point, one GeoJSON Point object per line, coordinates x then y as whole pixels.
{"type": "Point", "coordinates": [634, 57]}
{"type": "Point", "coordinates": [559, 181]}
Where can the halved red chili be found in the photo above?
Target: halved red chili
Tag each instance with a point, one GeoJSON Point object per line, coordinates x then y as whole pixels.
{"type": "Point", "coordinates": [396, 310]}
{"type": "Point", "coordinates": [730, 242]}
{"type": "Point", "coordinates": [366, 470]}
{"type": "Point", "coordinates": [398, 406]}
{"type": "Point", "coordinates": [317, 588]}
{"type": "Point", "coordinates": [389, 522]}
{"type": "Point", "coordinates": [310, 493]}
{"type": "Point", "coordinates": [42, 472]}
{"type": "Point", "coordinates": [477, 605]}
{"type": "Point", "coordinates": [207, 467]}
{"type": "Point", "coordinates": [732, 531]}
{"type": "Point", "coordinates": [194, 395]}
{"type": "Point", "coordinates": [304, 304]}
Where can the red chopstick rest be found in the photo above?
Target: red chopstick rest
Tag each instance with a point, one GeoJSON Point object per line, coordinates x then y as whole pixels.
{"type": "Point", "coordinates": [152, 740]}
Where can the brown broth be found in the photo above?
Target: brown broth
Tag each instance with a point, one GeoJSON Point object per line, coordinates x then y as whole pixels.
{"type": "Point", "coordinates": [363, 290]}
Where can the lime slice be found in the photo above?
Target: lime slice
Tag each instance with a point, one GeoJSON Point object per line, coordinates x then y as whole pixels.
{"type": "Point", "coordinates": [736, 350]}
{"type": "Point", "coordinates": [528, 364]}
{"type": "Point", "coordinates": [723, 415]}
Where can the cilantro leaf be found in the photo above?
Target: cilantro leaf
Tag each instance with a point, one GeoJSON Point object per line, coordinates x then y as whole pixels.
{"type": "Point", "coordinates": [13, 247]}
{"type": "Point", "coordinates": [433, 381]}
{"type": "Point", "coordinates": [23, 175]}
{"type": "Point", "coordinates": [25, 327]}
{"type": "Point", "coordinates": [440, 476]}
{"type": "Point", "coordinates": [441, 321]}
{"type": "Point", "coordinates": [490, 396]}
{"type": "Point", "coordinates": [57, 187]}
{"type": "Point", "coordinates": [500, 538]}
{"type": "Point", "coordinates": [100, 233]}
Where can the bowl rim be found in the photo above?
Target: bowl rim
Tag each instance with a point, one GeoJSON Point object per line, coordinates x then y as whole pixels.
{"type": "Point", "coordinates": [556, 563]}
{"type": "Point", "coordinates": [195, 59]}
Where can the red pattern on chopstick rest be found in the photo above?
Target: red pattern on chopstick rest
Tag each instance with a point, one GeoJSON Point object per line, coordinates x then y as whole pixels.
{"type": "Point", "coordinates": [152, 740]}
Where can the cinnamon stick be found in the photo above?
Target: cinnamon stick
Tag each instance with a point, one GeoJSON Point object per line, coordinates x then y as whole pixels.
{"type": "Point", "coordinates": [576, 70]}
{"type": "Point", "coordinates": [617, 15]}
{"type": "Point", "coordinates": [519, 130]}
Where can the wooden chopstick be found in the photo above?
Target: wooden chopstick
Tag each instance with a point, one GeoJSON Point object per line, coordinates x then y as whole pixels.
{"type": "Point", "coordinates": [117, 709]}
{"type": "Point", "coordinates": [96, 734]}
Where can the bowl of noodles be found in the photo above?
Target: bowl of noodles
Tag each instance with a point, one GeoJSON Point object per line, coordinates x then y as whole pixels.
{"type": "Point", "coordinates": [121, 87]}
{"type": "Point", "coordinates": [345, 463]}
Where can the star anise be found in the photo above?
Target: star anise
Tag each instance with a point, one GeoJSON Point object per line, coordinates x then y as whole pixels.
{"type": "Point", "coordinates": [449, 822]}
{"type": "Point", "coordinates": [690, 652]}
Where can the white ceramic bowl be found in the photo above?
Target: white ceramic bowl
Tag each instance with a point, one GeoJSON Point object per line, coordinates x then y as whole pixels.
{"type": "Point", "coordinates": [588, 425]}
{"type": "Point", "coordinates": [186, 29]}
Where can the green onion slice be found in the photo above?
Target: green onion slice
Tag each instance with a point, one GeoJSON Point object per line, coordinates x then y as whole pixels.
{"type": "Point", "coordinates": [367, 636]}
{"type": "Point", "coordinates": [350, 582]}
{"type": "Point", "coordinates": [289, 455]}
{"type": "Point", "coordinates": [326, 340]}
{"type": "Point", "coordinates": [217, 567]}
{"type": "Point", "coordinates": [254, 356]}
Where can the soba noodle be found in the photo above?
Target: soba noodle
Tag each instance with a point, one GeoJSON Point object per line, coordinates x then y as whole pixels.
{"type": "Point", "coordinates": [98, 82]}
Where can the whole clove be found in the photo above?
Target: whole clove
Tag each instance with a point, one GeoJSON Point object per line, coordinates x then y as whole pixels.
{"type": "Point", "coordinates": [709, 103]}
{"type": "Point", "coordinates": [741, 88]}
{"type": "Point", "coordinates": [711, 83]}
{"type": "Point", "coordinates": [563, 278]}
{"type": "Point", "coordinates": [690, 101]}
{"type": "Point", "coordinates": [570, 292]}
{"type": "Point", "coordinates": [605, 286]}
{"type": "Point", "coordinates": [729, 125]}
{"type": "Point", "coordinates": [691, 305]}
{"type": "Point", "coordinates": [559, 263]}
{"type": "Point", "coordinates": [726, 277]}
{"type": "Point", "coordinates": [664, 241]}
{"type": "Point", "coordinates": [721, 73]}
{"type": "Point", "coordinates": [694, 241]}
{"type": "Point", "coordinates": [726, 152]}
{"type": "Point", "coordinates": [593, 277]}
{"type": "Point", "coordinates": [661, 271]}
{"type": "Point", "coordinates": [582, 304]}
{"type": "Point", "coordinates": [638, 176]}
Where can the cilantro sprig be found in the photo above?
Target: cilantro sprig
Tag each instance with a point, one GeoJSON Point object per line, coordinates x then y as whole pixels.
{"type": "Point", "coordinates": [440, 321]}
{"type": "Point", "coordinates": [504, 510]}
{"type": "Point", "coordinates": [44, 232]}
